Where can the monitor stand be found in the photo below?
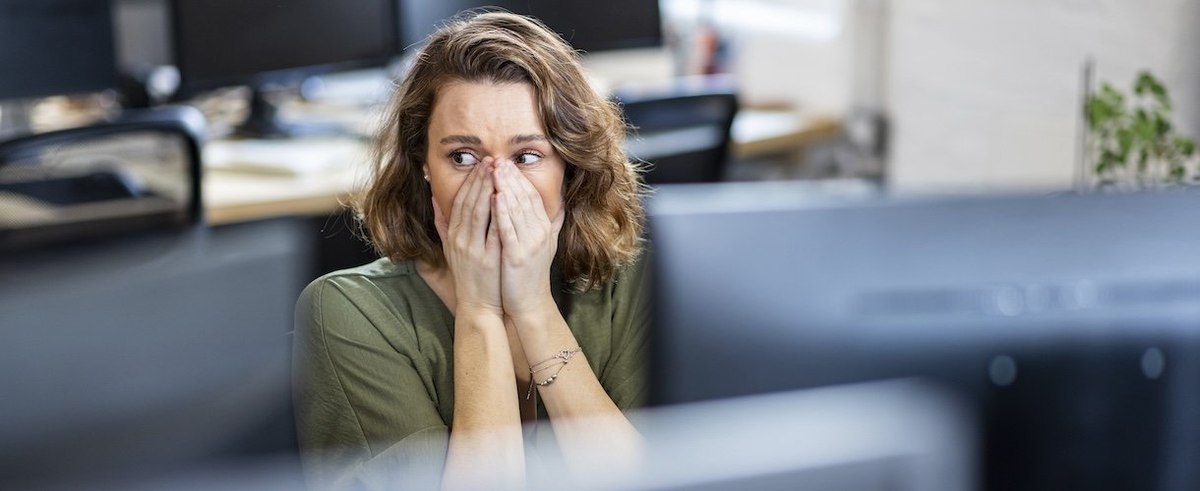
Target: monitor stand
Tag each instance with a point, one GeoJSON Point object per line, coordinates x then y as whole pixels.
{"type": "Point", "coordinates": [264, 122]}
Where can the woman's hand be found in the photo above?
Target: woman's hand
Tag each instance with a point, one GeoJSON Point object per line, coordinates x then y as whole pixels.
{"type": "Point", "coordinates": [471, 244]}
{"type": "Point", "coordinates": [529, 241]}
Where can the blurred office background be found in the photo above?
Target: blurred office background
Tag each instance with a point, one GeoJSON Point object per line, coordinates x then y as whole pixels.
{"type": "Point", "coordinates": [151, 143]}
{"type": "Point", "coordinates": [995, 88]}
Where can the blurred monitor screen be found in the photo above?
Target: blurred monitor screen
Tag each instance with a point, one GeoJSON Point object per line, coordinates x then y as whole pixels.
{"type": "Point", "coordinates": [587, 25]}
{"type": "Point", "coordinates": [249, 42]}
{"type": "Point", "coordinates": [147, 354]}
{"type": "Point", "coordinates": [55, 47]}
{"type": "Point", "coordinates": [895, 435]}
{"type": "Point", "coordinates": [1070, 321]}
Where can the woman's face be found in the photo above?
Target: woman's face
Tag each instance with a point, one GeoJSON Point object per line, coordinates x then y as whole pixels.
{"type": "Point", "coordinates": [474, 120]}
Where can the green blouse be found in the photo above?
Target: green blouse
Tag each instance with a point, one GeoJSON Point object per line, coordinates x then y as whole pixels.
{"type": "Point", "coordinates": [373, 368]}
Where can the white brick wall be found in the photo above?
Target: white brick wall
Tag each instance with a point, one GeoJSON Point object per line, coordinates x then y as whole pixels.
{"type": "Point", "coordinates": [985, 94]}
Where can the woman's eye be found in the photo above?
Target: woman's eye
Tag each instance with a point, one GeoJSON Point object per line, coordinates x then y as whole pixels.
{"type": "Point", "coordinates": [527, 158]}
{"type": "Point", "coordinates": [463, 158]}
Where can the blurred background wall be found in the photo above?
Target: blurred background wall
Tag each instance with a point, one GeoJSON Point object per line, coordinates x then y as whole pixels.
{"type": "Point", "coordinates": [987, 94]}
{"type": "Point", "coordinates": [981, 95]}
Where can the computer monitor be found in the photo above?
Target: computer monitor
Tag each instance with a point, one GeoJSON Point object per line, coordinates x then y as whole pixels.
{"type": "Point", "coordinates": [600, 26]}
{"type": "Point", "coordinates": [1069, 321]}
{"type": "Point", "coordinates": [52, 47]}
{"type": "Point", "coordinates": [895, 435]}
{"type": "Point", "coordinates": [589, 26]}
{"type": "Point", "coordinates": [148, 356]}
{"type": "Point", "coordinates": [55, 47]}
{"type": "Point", "coordinates": [261, 43]}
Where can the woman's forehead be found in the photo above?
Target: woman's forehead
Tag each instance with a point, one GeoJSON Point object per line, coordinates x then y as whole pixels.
{"type": "Point", "coordinates": [504, 108]}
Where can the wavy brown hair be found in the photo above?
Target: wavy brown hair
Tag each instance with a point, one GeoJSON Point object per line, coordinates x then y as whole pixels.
{"type": "Point", "coordinates": [602, 187]}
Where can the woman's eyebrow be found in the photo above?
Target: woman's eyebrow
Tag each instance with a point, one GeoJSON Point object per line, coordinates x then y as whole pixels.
{"type": "Point", "coordinates": [462, 139]}
{"type": "Point", "coordinates": [474, 140]}
{"type": "Point", "coordinates": [528, 138]}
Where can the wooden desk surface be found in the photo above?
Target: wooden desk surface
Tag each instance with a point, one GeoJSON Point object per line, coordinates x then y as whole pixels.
{"type": "Point", "coordinates": [232, 196]}
{"type": "Point", "coordinates": [758, 132]}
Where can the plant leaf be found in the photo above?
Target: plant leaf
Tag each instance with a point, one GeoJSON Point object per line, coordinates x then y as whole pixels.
{"type": "Point", "coordinates": [1109, 161]}
{"type": "Point", "coordinates": [1186, 145]}
{"type": "Point", "coordinates": [1177, 173]}
{"type": "Point", "coordinates": [1125, 138]}
{"type": "Point", "coordinates": [1143, 127]}
{"type": "Point", "coordinates": [1162, 127]}
{"type": "Point", "coordinates": [1111, 95]}
{"type": "Point", "coordinates": [1148, 84]}
{"type": "Point", "coordinates": [1100, 113]}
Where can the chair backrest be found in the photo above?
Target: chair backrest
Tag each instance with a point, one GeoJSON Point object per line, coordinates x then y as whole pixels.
{"type": "Point", "coordinates": [137, 173]}
{"type": "Point", "coordinates": [683, 133]}
{"type": "Point", "coordinates": [139, 343]}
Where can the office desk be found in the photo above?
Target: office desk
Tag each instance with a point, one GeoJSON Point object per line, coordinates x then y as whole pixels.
{"type": "Point", "coordinates": [324, 173]}
{"type": "Point", "coordinates": [758, 132]}
{"type": "Point", "coordinates": [232, 196]}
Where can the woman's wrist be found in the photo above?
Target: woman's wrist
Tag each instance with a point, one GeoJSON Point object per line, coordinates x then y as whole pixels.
{"type": "Point", "coordinates": [534, 311]}
{"type": "Point", "coordinates": [478, 314]}
{"type": "Point", "coordinates": [535, 328]}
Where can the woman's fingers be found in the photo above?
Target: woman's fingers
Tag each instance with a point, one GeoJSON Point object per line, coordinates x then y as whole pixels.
{"type": "Point", "coordinates": [497, 199]}
{"type": "Point", "coordinates": [525, 210]}
{"type": "Point", "coordinates": [505, 176]}
{"type": "Point", "coordinates": [481, 202]}
{"type": "Point", "coordinates": [528, 194]}
{"type": "Point", "coordinates": [493, 234]}
{"type": "Point", "coordinates": [472, 246]}
{"type": "Point", "coordinates": [503, 183]}
{"type": "Point", "coordinates": [463, 218]}
{"type": "Point", "coordinates": [439, 220]}
{"type": "Point", "coordinates": [503, 220]}
{"type": "Point", "coordinates": [460, 199]}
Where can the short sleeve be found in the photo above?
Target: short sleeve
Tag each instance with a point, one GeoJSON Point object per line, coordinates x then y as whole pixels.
{"type": "Point", "coordinates": [365, 417]}
{"type": "Point", "coordinates": [626, 376]}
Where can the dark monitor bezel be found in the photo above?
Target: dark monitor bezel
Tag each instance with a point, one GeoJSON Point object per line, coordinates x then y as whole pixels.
{"type": "Point", "coordinates": [409, 40]}
{"type": "Point", "coordinates": [189, 86]}
{"type": "Point", "coordinates": [72, 85]}
{"type": "Point", "coordinates": [648, 42]}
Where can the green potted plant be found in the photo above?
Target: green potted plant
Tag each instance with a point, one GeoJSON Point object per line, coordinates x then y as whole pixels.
{"type": "Point", "coordinates": [1132, 143]}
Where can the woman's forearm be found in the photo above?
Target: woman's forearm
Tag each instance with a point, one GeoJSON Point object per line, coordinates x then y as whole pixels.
{"type": "Point", "coordinates": [591, 430]}
{"type": "Point", "coordinates": [486, 448]}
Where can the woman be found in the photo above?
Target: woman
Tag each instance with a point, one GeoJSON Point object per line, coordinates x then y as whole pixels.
{"type": "Point", "coordinates": [511, 288]}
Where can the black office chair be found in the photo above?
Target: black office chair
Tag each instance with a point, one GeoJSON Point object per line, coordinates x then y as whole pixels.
{"type": "Point", "coordinates": [140, 344]}
{"type": "Point", "coordinates": [683, 132]}
{"type": "Point", "coordinates": [141, 172]}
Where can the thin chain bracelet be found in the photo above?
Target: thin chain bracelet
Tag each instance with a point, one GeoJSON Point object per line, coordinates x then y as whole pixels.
{"type": "Point", "coordinates": [562, 356]}
{"type": "Point", "coordinates": [560, 359]}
